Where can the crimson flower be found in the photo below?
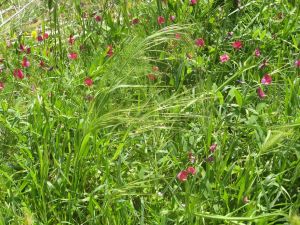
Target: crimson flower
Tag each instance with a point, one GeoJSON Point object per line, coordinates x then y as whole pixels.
{"type": "Point", "coordinates": [261, 94]}
{"type": "Point", "coordinates": [18, 74]}
{"type": "Point", "coordinates": [110, 51]}
{"type": "Point", "coordinates": [191, 170]}
{"type": "Point", "coordinates": [257, 52]}
{"type": "Point", "coordinates": [22, 48]}
{"type": "Point", "coordinates": [193, 2]}
{"type": "Point", "coordinates": [40, 38]}
{"type": "Point", "coordinates": [237, 44]}
{"type": "Point", "coordinates": [213, 147]}
{"type": "Point", "coordinates": [200, 42]}
{"type": "Point", "coordinates": [267, 79]}
{"type": "Point", "coordinates": [25, 62]}
{"type": "Point", "coordinates": [88, 81]}
{"type": "Point", "coordinates": [98, 18]}
{"type": "Point", "coordinates": [1, 86]}
{"type": "Point", "coordinates": [224, 58]}
{"type": "Point", "coordinates": [160, 20]}
{"type": "Point", "coordinates": [135, 21]}
{"type": "Point", "coordinates": [182, 175]}
{"type": "Point", "coordinates": [177, 36]}
{"type": "Point", "coordinates": [28, 50]}
{"type": "Point", "coordinates": [45, 36]}
{"type": "Point", "coordinates": [172, 18]}
{"type": "Point", "coordinates": [72, 55]}
{"type": "Point", "coordinates": [71, 40]}
{"type": "Point", "coordinates": [297, 63]}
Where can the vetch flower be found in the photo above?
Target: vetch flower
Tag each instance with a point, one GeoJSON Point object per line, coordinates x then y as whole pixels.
{"type": "Point", "coordinates": [200, 42]}
{"type": "Point", "coordinates": [224, 58]}
{"type": "Point", "coordinates": [45, 36]}
{"type": "Point", "coordinates": [71, 40]}
{"type": "Point", "coordinates": [98, 18]}
{"type": "Point", "coordinates": [237, 44]}
{"type": "Point", "coordinates": [261, 94]}
{"type": "Point", "coordinates": [39, 38]}
{"type": "Point", "coordinates": [88, 81]}
{"type": "Point", "coordinates": [182, 175]}
{"type": "Point", "coordinates": [191, 170]}
{"type": "Point", "coordinates": [213, 147]}
{"type": "Point", "coordinates": [172, 18]}
{"type": "Point", "coordinates": [42, 63]}
{"type": "Point", "coordinates": [160, 20]}
{"type": "Point", "coordinates": [177, 36]}
{"type": "Point", "coordinates": [1, 86]}
{"type": "Point", "coordinates": [267, 79]}
{"type": "Point", "coordinates": [257, 52]}
{"type": "Point", "coordinates": [193, 2]}
{"type": "Point", "coordinates": [25, 62]}
{"type": "Point", "coordinates": [72, 55]}
{"type": "Point", "coordinates": [297, 63]}
{"type": "Point", "coordinates": [18, 74]}
{"type": "Point", "coordinates": [22, 48]}
{"type": "Point", "coordinates": [110, 51]}
{"type": "Point", "coordinates": [28, 50]}
{"type": "Point", "coordinates": [192, 158]}
{"type": "Point", "coordinates": [135, 21]}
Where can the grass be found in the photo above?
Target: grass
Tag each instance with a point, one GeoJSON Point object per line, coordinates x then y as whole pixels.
{"type": "Point", "coordinates": [110, 153]}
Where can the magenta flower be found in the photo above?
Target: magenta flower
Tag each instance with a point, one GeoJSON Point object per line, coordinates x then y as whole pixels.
{"type": "Point", "coordinates": [98, 18]}
{"type": "Point", "coordinates": [39, 38]}
{"type": "Point", "coordinates": [22, 48]}
{"type": "Point", "coordinates": [257, 52]}
{"type": "Point", "coordinates": [224, 58]}
{"type": "Point", "coordinates": [1, 86]}
{"type": "Point", "coordinates": [172, 18]}
{"type": "Point", "coordinates": [110, 51]}
{"type": "Point", "coordinates": [18, 74]}
{"type": "Point", "coordinates": [135, 21]}
{"type": "Point", "coordinates": [28, 50]}
{"type": "Point", "coordinates": [182, 175]}
{"type": "Point", "coordinates": [267, 79]}
{"type": "Point", "coordinates": [177, 36]}
{"type": "Point", "coordinates": [25, 62]}
{"type": "Point", "coordinates": [261, 94]}
{"type": "Point", "coordinates": [45, 36]}
{"type": "Point", "coordinates": [71, 40]}
{"type": "Point", "coordinates": [42, 63]}
{"type": "Point", "coordinates": [88, 81]}
{"type": "Point", "coordinates": [213, 147]}
{"type": "Point", "coordinates": [193, 2]}
{"type": "Point", "coordinates": [72, 55]}
{"type": "Point", "coordinates": [237, 44]}
{"type": "Point", "coordinates": [297, 63]}
{"type": "Point", "coordinates": [200, 42]}
{"type": "Point", "coordinates": [160, 20]}
{"type": "Point", "coordinates": [191, 170]}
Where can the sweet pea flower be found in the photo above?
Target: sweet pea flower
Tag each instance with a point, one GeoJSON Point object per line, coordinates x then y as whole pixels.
{"type": "Point", "coordinates": [257, 52]}
{"type": "Point", "coordinates": [200, 42]}
{"type": "Point", "coordinates": [39, 38]}
{"type": "Point", "coordinates": [213, 147]}
{"type": "Point", "coordinates": [160, 20]}
{"type": "Point", "coordinates": [72, 55]}
{"type": "Point", "coordinates": [25, 62]}
{"type": "Point", "coordinates": [88, 81]}
{"type": "Point", "coordinates": [297, 63]}
{"type": "Point", "coordinates": [191, 170]}
{"type": "Point", "coordinates": [71, 40]}
{"type": "Point", "coordinates": [261, 94]}
{"type": "Point", "coordinates": [182, 175]}
{"type": "Point", "coordinates": [110, 51]}
{"type": "Point", "coordinates": [193, 2]}
{"type": "Point", "coordinates": [18, 74]}
{"type": "Point", "coordinates": [224, 58]}
{"type": "Point", "coordinates": [135, 21]}
{"type": "Point", "coordinates": [98, 18]}
{"type": "Point", "coordinates": [1, 86]}
{"type": "Point", "coordinates": [267, 79]}
{"type": "Point", "coordinates": [237, 44]}
{"type": "Point", "coordinates": [172, 18]}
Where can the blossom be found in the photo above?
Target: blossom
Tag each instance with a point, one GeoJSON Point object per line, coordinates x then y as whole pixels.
{"type": "Point", "coordinates": [110, 51]}
{"type": "Point", "coordinates": [177, 36]}
{"type": "Point", "coordinates": [224, 58]}
{"type": "Point", "coordinates": [297, 63]}
{"type": "Point", "coordinates": [45, 36]}
{"type": "Point", "coordinates": [22, 48]}
{"type": "Point", "coordinates": [71, 40]}
{"type": "Point", "coordinates": [160, 20]}
{"type": "Point", "coordinates": [98, 18]}
{"type": "Point", "coordinates": [182, 175]}
{"type": "Point", "coordinates": [72, 55]}
{"type": "Point", "coordinates": [18, 74]}
{"type": "Point", "coordinates": [155, 68]}
{"type": "Point", "coordinates": [192, 158]}
{"type": "Point", "coordinates": [267, 79]}
{"type": "Point", "coordinates": [25, 62]}
{"type": "Point", "coordinates": [151, 77]}
{"type": "Point", "coordinates": [42, 63]}
{"type": "Point", "coordinates": [28, 50]}
{"type": "Point", "coordinates": [191, 170]}
{"type": "Point", "coordinates": [261, 94]}
{"type": "Point", "coordinates": [1, 86]}
{"type": "Point", "coordinates": [257, 52]}
{"type": "Point", "coordinates": [40, 38]}
{"type": "Point", "coordinates": [213, 147]}
{"type": "Point", "coordinates": [88, 81]}
{"type": "Point", "coordinates": [135, 21]}
{"type": "Point", "coordinates": [193, 2]}
{"type": "Point", "coordinates": [172, 18]}
{"type": "Point", "coordinates": [200, 42]}
{"type": "Point", "coordinates": [237, 44]}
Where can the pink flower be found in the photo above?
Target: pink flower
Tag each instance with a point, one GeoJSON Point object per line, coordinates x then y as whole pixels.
{"type": "Point", "coordinates": [25, 62]}
{"type": "Point", "coordinates": [72, 55]}
{"type": "Point", "coordinates": [193, 2]}
{"type": "Point", "coordinates": [18, 74]}
{"type": "Point", "coordinates": [224, 58]}
{"type": "Point", "coordinates": [1, 86]}
{"type": "Point", "coordinates": [45, 36]}
{"type": "Point", "coordinates": [182, 175]}
{"type": "Point", "coordinates": [200, 42]}
{"type": "Point", "coordinates": [267, 79]}
{"type": "Point", "coordinates": [192, 158]}
{"type": "Point", "coordinates": [261, 94]}
{"type": "Point", "coordinates": [135, 21]}
{"type": "Point", "coordinates": [237, 44]}
{"type": "Point", "coordinates": [88, 81]}
{"type": "Point", "coordinates": [98, 18]}
{"type": "Point", "coordinates": [191, 170]}
{"type": "Point", "coordinates": [28, 50]}
{"type": "Point", "coordinates": [172, 18]}
{"type": "Point", "coordinates": [110, 51]}
{"type": "Point", "coordinates": [22, 48]}
{"type": "Point", "coordinates": [213, 147]}
{"type": "Point", "coordinates": [160, 20]}
{"type": "Point", "coordinates": [257, 52]}
{"type": "Point", "coordinates": [71, 40]}
{"type": "Point", "coordinates": [177, 36]}
{"type": "Point", "coordinates": [151, 77]}
{"type": "Point", "coordinates": [39, 38]}
{"type": "Point", "coordinates": [297, 63]}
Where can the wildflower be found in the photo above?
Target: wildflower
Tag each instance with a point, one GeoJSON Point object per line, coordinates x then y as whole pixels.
{"type": "Point", "coordinates": [297, 63]}
{"type": "Point", "coordinates": [172, 18]}
{"type": "Point", "coordinates": [192, 158]}
{"type": "Point", "coordinates": [135, 21]}
{"type": "Point", "coordinates": [155, 68]}
{"type": "Point", "coordinates": [39, 38]}
{"type": "Point", "coordinates": [193, 2]}
{"type": "Point", "coordinates": [209, 159]}
{"type": "Point", "coordinates": [267, 79]}
{"type": "Point", "coordinates": [88, 82]}
{"type": "Point", "coordinates": [18, 74]}
{"type": "Point", "coordinates": [237, 44]}
{"type": "Point", "coordinates": [98, 18]}
{"type": "Point", "coordinates": [182, 175]}
{"type": "Point", "coordinates": [224, 58]}
{"type": "Point", "coordinates": [45, 36]}
{"type": "Point", "coordinates": [71, 40]}
{"type": "Point", "coordinates": [72, 55]}
{"type": "Point", "coordinates": [1, 86]}
{"type": "Point", "coordinates": [257, 52]}
{"type": "Point", "coordinates": [110, 51]}
{"type": "Point", "coordinates": [151, 77]}
{"type": "Point", "coordinates": [42, 63]}
{"type": "Point", "coordinates": [177, 36]}
{"type": "Point", "coordinates": [22, 48]}
{"type": "Point", "coordinates": [261, 94]}
{"type": "Point", "coordinates": [34, 34]}
{"type": "Point", "coordinates": [191, 170]}
{"type": "Point", "coordinates": [25, 62]}
{"type": "Point", "coordinates": [160, 20]}
{"type": "Point", "coordinates": [200, 42]}
{"type": "Point", "coordinates": [213, 147]}
{"type": "Point", "coordinates": [28, 50]}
